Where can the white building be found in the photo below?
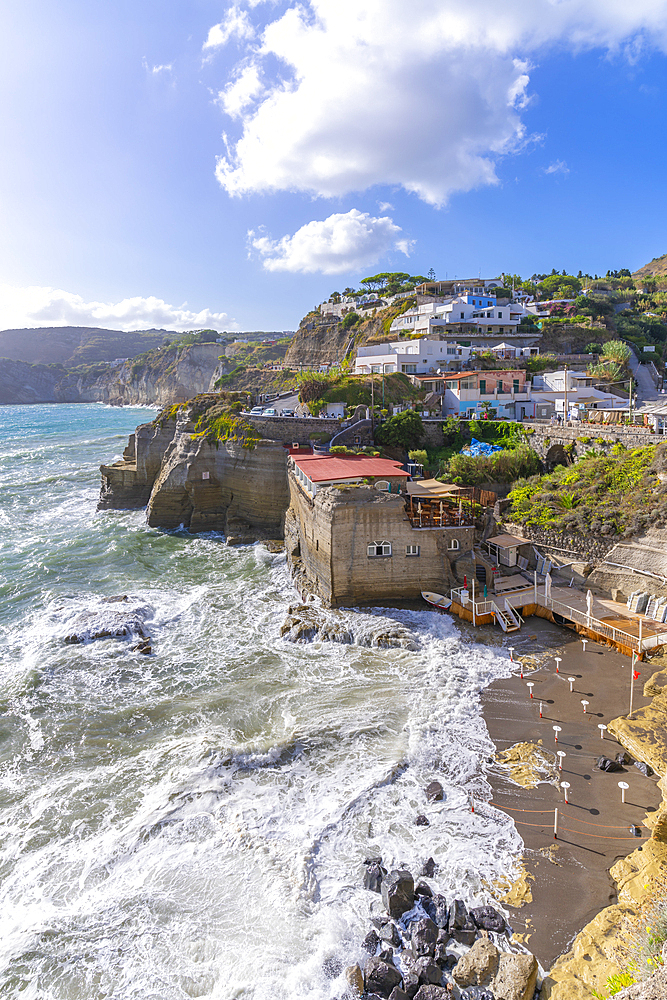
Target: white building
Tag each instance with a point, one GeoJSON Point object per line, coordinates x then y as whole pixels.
{"type": "Point", "coordinates": [550, 396]}
{"type": "Point", "coordinates": [412, 357]}
{"type": "Point", "coordinates": [471, 313]}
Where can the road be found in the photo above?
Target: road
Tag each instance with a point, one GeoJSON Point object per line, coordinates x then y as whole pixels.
{"type": "Point", "coordinates": [646, 390]}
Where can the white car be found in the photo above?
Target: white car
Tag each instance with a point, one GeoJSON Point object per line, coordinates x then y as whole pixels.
{"type": "Point", "coordinates": [271, 412]}
{"type": "Point", "coordinates": [257, 411]}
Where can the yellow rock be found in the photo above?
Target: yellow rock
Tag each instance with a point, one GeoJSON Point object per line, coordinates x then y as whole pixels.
{"type": "Point", "coordinates": [590, 961]}
{"type": "Point", "coordinates": [528, 763]}
{"type": "Point", "coordinates": [645, 734]}
{"type": "Point", "coordinates": [516, 893]}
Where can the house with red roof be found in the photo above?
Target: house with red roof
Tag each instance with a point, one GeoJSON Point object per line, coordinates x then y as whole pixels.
{"type": "Point", "coordinates": [318, 471]}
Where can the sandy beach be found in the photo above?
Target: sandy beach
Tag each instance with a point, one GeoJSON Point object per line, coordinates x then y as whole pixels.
{"type": "Point", "coordinates": [568, 877]}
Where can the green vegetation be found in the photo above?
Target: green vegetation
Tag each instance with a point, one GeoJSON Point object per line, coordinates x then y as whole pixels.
{"type": "Point", "coordinates": [353, 390]}
{"type": "Point", "coordinates": [222, 422]}
{"type": "Point", "coordinates": [504, 466]}
{"type": "Point", "coordinates": [607, 494]}
{"type": "Point", "coordinates": [418, 455]}
{"type": "Point", "coordinates": [402, 430]}
{"type": "Point", "coordinates": [229, 377]}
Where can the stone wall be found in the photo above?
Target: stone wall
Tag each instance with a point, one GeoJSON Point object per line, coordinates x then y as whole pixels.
{"type": "Point", "coordinates": [579, 547]}
{"type": "Point", "coordinates": [543, 437]}
{"type": "Point", "coordinates": [291, 429]}
{"type": "Point", "coordinates": [327, 541]}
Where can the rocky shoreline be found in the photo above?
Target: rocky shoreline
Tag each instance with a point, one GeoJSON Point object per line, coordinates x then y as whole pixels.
{"type": "Point", "coordinates": [421, 947]}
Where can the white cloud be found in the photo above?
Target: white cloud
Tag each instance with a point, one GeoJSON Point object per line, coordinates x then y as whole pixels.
{"type": "Point", "coordinates": [38, 306]}
{"type": "Point", "coordinates": [343, 242]}
{"type": "Point", "coordinates": [385, 206]}
{"type": "Point", "coordinates": [236, 24]}
{"type": "Point", "coordinates": [426, 96]}
{"type": "Point", "coordinates": [557, 167]}
{"type": "Point", "coordinates": [156, 70]}
{"type": "Point", "coordinates": [240, 92]}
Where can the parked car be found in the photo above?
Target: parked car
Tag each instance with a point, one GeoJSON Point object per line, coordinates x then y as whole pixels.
{"type": "Point", "coordinates": [257, 411]}
{"type": "Point", "coordinates": [271, 412]}
{"type": "Point", "coordinates": [287, 413]}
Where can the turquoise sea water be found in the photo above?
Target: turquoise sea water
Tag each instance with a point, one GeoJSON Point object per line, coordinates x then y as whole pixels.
{"type": "Point", "coordinates": [192, 823]}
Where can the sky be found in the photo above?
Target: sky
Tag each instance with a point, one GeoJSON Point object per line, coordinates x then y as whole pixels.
{"type": "Point", "coordinates": [190, 163]}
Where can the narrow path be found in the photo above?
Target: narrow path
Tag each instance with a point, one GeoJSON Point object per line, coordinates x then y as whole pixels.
{"type": "Point", "coordinates": [646, 390]}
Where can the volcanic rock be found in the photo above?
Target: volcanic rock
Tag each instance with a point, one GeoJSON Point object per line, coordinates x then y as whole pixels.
{"type": "Point", "coordinates": [488, 919]}
{"type": "Point", "coordinates": [355, 978]}
{"type": "Point", "coordinates": [398, 892]}
{"type": "Point", "coordinates": [437, 909]}
{"type": "Point", "coordinates": [432, 993]}
{"type": "Point", "coordinates": [424, 934]}
{"type": "Point", "coordinates": [434, 792]}
{"type": "Point", "coordinates": [426, 970]}
{"type": "Point", "coordinates": [422, 820]}
{"type": "Point", "coordinates": [428, 868]}
{"type": "Point", "coordinates": [370, 942]}
{"type": "Point", "coordinates": [373, 877]}
{"type": "Point", "coordinates": [380, 977]}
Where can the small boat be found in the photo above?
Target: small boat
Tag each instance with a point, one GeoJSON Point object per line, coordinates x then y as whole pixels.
{"type": "Point", "coordinates": [437, 600]}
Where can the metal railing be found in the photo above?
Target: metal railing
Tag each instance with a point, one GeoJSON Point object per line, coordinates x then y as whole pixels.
{"type": "Point", "coordinates": [595, 625]}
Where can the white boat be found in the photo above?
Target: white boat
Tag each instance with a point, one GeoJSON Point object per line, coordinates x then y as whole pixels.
{"type": "Point", "coordinates": [437, 600]}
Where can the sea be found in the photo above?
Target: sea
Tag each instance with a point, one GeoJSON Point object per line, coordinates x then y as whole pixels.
{"type": "Point", "coordinates": [194, 822]}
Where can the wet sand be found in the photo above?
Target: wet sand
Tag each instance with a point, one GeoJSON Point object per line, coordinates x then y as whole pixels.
{"type": "Point", "coordinates": [571, 882]}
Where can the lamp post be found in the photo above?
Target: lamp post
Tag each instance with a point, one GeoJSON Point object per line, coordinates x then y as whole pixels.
{"type": "Point", "coordinates": [571, 680]}
{"type": "Point", "coordinates": [565, 785]}
{"type": "Point", "coordinates": [602, 728]}
{"type": "Point", "coordinates": [623, 785]}
{"type": "Point", "coordinates": [560, 754]}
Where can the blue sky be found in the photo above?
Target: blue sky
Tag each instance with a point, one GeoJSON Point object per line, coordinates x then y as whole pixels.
{"type": "Point", "coordinates": [187, 164]}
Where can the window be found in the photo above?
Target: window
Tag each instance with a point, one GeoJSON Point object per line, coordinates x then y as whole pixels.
{"type": "Point", "coordinates": [412, 550]}
{"type": "Point", "coordinates": [409, 369]}
{"type": "Point", "coordinates": [482, 385]}
{"type": "Point", "coordinates": [468, 383]}
{"type": "Point", "coordinates": [376, 549]}
{"type": "Point", "coordinates": [500, 315]}
{"type": "Point", "coordinates": [515, 384]}
{"type": "Point", "coordinates": [381, 484]}
{"type": "Point", "coordinates": [463, 315]}
{"type": "Point", "coordinates": [451, 350]}
{"type": "Point", "coordinates": [453, 545]}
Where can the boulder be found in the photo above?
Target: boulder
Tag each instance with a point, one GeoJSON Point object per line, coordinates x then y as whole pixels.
{"type": "Point", "coordinates": [398, 994]}
{"type": "Point", "coordinates": [423, 938]}
{"type": "Point", "coordinates": [428, 868]}
{"type": "Point", "coordinates": [432, 993]}
{"type": "Point", "coordinates": [437, 909]}
{"type": "Point", "coordinates": [624, 757]}
{"type": "Point", "coordinates": [354, 978]}
{"type": "Point", "coordinates": [435, 792]}
{"type": "Point", "coordinates": [422, 820]}
{"type": "Point", "coordinates": [410, 984]}
{"type": "Point", "coordinates": [478, 966]}
{"type": "Point", "coordinates": [103, 623]}
{"type": "Point", "coordinates": [423, 889]}
{"type": "Point", "coordinates": [441, 957]}
{"type": "Point", "coordinates": [458, 915]}
{"type": "Point", "coordinates": [380, 977]}
{"type": "Point", "coordinates": [370, 942]}
{"type": "Point", "coordinates": [515, 978]}
{"type": "Point", "coordinates": [386, 955]}
{"type": "Point", "coordinates": [645, 768]}
{"type": "Point", "coordinates": [427, 971]}
{"type": "Point", "coordinates": [465, 935]}
{"type": "Point", "coordinates": [606, 764]}
{"type": "Point", "coordinates": [373, 877]}
{"type": "Point", "coordinates": [389, 933]}
{"type": "Point", "coordinates": [488, 919]}
{"type": "Point", "coordinates": [398, 892]}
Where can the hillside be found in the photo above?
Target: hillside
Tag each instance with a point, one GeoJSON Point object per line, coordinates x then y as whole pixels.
{"type": "Point", "coordinates": [77, 345]}
{"type": "Point", "coordinates": [656, 268]}
{"type": "Point", "coordinates": [328, 340]}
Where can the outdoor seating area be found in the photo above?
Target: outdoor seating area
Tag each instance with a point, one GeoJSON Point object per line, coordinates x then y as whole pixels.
{"type": "Point", "coordinates": [440, 513]}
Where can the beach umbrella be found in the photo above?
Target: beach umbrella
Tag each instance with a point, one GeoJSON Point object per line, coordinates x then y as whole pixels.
{"type": "Point", "coordinates": [419, 511]}
{"type": "Point", "coordinates": [589, 603]}
{"type": "Point", "coordinates": [547, 585]}
{"type": "Point", "coordinates": [441, 512]}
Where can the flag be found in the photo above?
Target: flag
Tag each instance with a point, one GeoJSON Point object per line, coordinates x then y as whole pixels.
{"type": "Point", "coordinates": [634, 659]}
{"type": "Point", "coordinates": [635, 674]}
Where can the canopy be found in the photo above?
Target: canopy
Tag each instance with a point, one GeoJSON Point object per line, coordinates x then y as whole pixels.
{"type": "Point", "coordinates": [431, 488]}
{"type": "Point", "coordinates": [507, 541]}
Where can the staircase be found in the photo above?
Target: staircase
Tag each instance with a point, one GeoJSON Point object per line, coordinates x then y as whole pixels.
{"type": "Point", "coordinates": [507, 617]}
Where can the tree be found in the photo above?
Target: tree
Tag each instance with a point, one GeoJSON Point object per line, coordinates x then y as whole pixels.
{"type": "Point", "coordinates": [431, 274]}
{"type": "Point", "coordinates": [403, 430]}
{"type": "Point", "coordinates": [617, 351]}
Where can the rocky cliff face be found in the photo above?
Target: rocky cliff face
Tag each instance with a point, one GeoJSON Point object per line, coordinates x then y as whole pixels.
{"type": "Point", "coordinates": [167, 375]}
{"type": "Point", "coordinates": [187, 479]}
{"type": "Point", "coordinates": [26, 383]}
{"type": "Point", "coordinates": [322, 339]}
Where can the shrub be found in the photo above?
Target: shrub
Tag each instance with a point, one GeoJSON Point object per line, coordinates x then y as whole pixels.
{"type": "Point", "coordinates": [419, 456]}
{"type": "Point", "coordinates": [340, 449]}
{"type": "Point", "coordinates": [403, 430]}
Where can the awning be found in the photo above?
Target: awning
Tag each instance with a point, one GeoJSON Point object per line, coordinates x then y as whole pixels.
{"type": "Point", "coordinates": [431, 488]}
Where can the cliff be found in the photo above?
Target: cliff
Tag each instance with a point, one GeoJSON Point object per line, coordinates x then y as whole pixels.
{"type": "Point", "coordinates": [657, 268]}
{"type": "Point", "coordinates": [165, 375]}
{"type": "Point", "coordinates": [325, 339]}
{"type": "Point", "coordinates": [189, 474]}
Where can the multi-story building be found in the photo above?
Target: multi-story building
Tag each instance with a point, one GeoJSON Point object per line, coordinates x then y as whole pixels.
{"type": "Point", "coordinates": [412, 357]}
{"type": "Point", "coordinates": [471, 394]}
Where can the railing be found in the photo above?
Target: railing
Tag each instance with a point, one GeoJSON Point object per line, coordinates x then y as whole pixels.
{"type": "Point", "coordinates": [595, 625]}
{"type": "Point", "coordinates": [436, 521]}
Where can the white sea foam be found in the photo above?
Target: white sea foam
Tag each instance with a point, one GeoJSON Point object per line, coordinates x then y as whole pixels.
{"type": "Point", "coordinates": [193, 823]}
